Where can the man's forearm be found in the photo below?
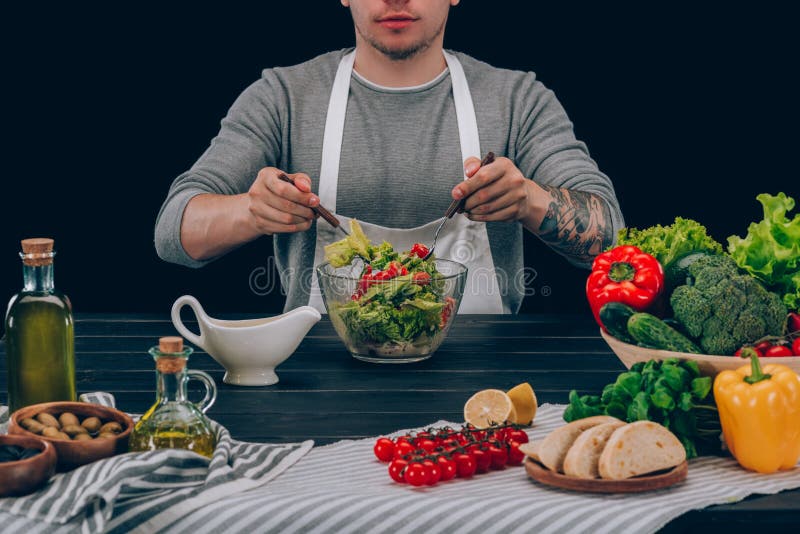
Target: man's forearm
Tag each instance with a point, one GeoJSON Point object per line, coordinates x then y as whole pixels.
{"type": "Point", "coordinates": [215, 224]}
{"type": "Point", "coordinates": [576, 223]}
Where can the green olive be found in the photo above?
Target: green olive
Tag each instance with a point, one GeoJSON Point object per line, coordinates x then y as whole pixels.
{"type": "Point", "coordinates": [92, 424]}
{"type": "Point", "coordinates": [74, 430]}
{"type": "Point", "coordinates": [66, 419]}
{"type": "Point", "coordinates": [50, 432]}
{"type": "Point", "coordinates": [61, 435]}
{"type": "Point", "coordinates": [82, 436]}
{"type": "Point", "coordinates": [112, 426]}
{"type": "Point", "coordinates": [48, 420]}
{"type": "Point", "coordinates": [102, 435]}
{"type": "Point", "coordinates": [32, 425]}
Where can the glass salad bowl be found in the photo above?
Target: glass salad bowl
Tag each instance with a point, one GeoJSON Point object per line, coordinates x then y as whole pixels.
{"type": "Point", "coordinates": [400, 320]}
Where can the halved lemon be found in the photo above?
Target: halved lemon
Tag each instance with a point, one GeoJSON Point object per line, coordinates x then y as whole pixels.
{"type": "Point", "coordinates": [489, 407]}
{"type": "Point", "coordinates": [524, 400]}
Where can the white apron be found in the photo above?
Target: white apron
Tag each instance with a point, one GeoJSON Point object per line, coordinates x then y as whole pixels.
{"type": "Point", "coordinates": [460, 240]}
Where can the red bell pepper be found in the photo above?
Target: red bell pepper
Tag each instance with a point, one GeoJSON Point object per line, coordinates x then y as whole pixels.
{"type": "Point", "coordinates": [624, 274]}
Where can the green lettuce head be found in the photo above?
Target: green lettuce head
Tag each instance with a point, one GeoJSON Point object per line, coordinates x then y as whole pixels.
{"type": "Point", "coordinates": [771, 249]}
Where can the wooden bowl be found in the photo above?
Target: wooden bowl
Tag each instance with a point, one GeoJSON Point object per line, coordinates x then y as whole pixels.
{"type": "Point", "coordinates": [72, 454]}
{"type": "Point", "coordinates": [709, 365]}
{"type": "Point", "coordinates": [24, 476]}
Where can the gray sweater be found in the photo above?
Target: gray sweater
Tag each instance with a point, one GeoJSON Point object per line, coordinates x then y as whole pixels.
{"type": "Point", "coordinates": [400, 156]}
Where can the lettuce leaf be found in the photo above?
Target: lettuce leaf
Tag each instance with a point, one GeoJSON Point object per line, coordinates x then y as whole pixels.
{"type": "Point", "coordinates": [771, 249]}
{"type": "Point", "coordinates": [667, 243]}
{"type": "Point", "coordinates": [343, 252]}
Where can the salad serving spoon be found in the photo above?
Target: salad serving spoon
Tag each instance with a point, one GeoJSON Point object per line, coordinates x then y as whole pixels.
{"type": "Point", "coordinates": [319, 210]}
{"type": "Point", "coordinates": [455, 206]}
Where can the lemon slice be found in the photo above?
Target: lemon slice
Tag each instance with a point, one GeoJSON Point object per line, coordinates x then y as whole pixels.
{"type": "Point", "coordinates": [524, 400]}
{"type": "Point", "coordinates": [489, 407]}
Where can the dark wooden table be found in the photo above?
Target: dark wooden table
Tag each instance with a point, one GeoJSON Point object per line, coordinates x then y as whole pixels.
{"type": "Point", "coordinates": [326, 395]}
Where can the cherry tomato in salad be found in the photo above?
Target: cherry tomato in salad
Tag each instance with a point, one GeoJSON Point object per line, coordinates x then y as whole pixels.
{"type": "Point", "coordinates": [778, 351]}
{"type": "Point", "coordinates": [796, 346]}
{"type": "Point", "coordinates": [419, 250]}
{"type": "Point", "coordinates": [416, 474]}
{"type": "Point", "coordinates": [384, 449]}
{"type": "Point", "coordinates": [421, 278]}
{"type": "Point", "coordinates": [396, 470]}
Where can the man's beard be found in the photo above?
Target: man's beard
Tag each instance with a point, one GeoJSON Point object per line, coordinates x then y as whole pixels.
{"type": "Point", "coordinates": [403, 53]}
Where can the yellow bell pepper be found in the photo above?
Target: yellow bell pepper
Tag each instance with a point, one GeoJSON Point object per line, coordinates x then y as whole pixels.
{"type": "Point", "coordinates": [760, 414]}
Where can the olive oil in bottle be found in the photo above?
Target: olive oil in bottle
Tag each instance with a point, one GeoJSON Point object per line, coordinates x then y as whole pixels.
{"type": "Point", "coordinates": [174, 422]}
{"type": "Point", "coordinates": [40, 343]}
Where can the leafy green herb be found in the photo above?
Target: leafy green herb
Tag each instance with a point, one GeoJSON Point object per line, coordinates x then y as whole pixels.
{"type": "Point", "coordinates": [670, 392]}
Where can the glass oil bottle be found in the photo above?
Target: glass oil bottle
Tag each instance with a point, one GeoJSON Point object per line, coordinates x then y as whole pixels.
{"type": "Point", "coordinates": [40, 337]}
{"type": "Point", "coordinates": [174, 422]}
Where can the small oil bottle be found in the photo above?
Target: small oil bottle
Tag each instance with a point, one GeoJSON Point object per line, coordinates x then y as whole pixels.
{"type": "Point", "coordinates": [40, 335]}
{"type": "Point", "coordinates": [174, 422]}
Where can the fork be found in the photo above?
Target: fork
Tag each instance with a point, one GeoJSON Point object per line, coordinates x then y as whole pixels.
{"type": "Point", "coordinates": [322, 212]}
{"type": "Point", "coordinates": [455, 206]}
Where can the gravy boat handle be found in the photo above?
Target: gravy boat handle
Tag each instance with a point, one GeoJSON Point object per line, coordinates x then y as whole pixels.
{"type": "Point", "coordinates": [188, 300]}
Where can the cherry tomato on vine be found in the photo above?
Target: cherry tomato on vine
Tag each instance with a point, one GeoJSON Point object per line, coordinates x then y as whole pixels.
{"type": "Point", "coordinates": [384, 449]}
{"type": "Point", "coordinates": [396, 470]}
{"type": "Point", "coordinates": [515, 456]}
{"type": "Point", "coordinates": [777, 351]}
{"type": "Point", "coordinates": [796, 346]}
{"type": "Point", "coordinates": [465, 465]}
{"type": "Point", "coordinates": [497, 456]}
{"type": "Point", "coordinates": [763, 346]}
{"type": "Point", "coordinates": [416, 474]}
{"type": "Point", "coordinates": [434, 473]}
{"type": "Point", "coordinates": [426, 444]}
{"type": "Point", "coordinates": [403, 448]}
{"type": "Point", "coordinates": [482, 460]}
{"type": "Point", "coordinates": [515, 434]}
{"type": "Point", "coordinates": [447, 467]}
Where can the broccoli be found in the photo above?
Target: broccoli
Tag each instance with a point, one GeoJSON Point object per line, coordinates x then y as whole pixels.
{"type": "Point", "coordinates": [722, 309]}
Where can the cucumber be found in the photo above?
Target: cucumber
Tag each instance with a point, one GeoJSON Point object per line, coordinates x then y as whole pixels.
{"type": "Point", "coordinates": [651, 331]}
{"type": "Point", "coordinates": [614, 316]}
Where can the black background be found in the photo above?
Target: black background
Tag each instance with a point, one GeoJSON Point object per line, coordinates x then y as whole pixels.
{"type": "Point", "coordinates": [690, 109]}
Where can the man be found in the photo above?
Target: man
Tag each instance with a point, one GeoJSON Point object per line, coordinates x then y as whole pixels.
{"type": "Point", "coordinates": [389, 134]}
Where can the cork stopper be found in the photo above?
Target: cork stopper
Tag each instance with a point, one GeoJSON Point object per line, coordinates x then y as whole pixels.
{"type": "Point", "coordinates": [168, 363]}
{"type": "Point", "coordinates": [37, 251]}
{"type": "Point", "coordinates": [170, 344]}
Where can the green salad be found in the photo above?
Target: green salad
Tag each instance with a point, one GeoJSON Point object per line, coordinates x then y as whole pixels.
{"type": "Point", "coordinates": [399, 298]}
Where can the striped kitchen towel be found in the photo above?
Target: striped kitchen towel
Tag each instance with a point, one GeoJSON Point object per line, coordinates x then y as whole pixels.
{"type": "Point", "coordinates": [130, 490]}
{"type": "Point", "coordinates": [342, 488]}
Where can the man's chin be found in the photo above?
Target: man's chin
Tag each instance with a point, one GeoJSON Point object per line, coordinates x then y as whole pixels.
{"type": "Point", "coordinates": [400, 52]}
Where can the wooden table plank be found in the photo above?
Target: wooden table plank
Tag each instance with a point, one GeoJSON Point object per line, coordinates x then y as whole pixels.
{"type": "Point", "coordinates": [326, 395]}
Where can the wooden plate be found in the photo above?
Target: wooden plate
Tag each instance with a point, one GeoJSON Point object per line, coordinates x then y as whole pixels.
{"type": "Point", "coordinates": [709, 365]}
{"type": "Point", "coordinates": [660, 480]}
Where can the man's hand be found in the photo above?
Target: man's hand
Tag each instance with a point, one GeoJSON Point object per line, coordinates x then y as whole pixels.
{"type": "Point", "coordinates": [277, 207]}
{"type": "Point", "coordinates": [495, 192]}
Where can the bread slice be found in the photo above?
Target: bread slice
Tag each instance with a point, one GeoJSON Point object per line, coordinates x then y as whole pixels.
{"type": "Point", "coordinates": [639, 448]}
{"type": "Point", "coordinates": [581, 459]}
{"type": "Point", "coordinates": [554, 447]}
{"type": "Point", "coordinates": [531, 450]}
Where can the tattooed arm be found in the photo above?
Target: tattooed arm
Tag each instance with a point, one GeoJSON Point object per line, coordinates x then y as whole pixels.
{"type": "Point", "coordinates": [576, 223]}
